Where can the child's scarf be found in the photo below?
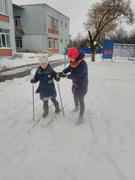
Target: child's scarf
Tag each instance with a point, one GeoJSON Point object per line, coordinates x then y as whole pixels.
{"type": "Point", "coordinates": [75, 64]}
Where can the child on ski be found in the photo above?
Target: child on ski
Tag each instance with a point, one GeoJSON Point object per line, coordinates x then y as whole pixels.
{"type": "Point", "coordinates": [78, 73]}
{"type": "Point", "coordinates": [45, 75]}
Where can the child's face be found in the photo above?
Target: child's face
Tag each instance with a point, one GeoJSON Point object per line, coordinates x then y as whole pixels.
{"type": "Point", "coordinates": [44, 65]}
{"type": "Point", "coordinates": [72, 60]}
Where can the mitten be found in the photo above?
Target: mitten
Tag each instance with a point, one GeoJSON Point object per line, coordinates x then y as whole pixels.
{"type": "Point", "coordinates": [57, 78]}
{"type": "Point", "coordinates": [32, 81]}
{"type": "Point", "coordinates": [61, 74]}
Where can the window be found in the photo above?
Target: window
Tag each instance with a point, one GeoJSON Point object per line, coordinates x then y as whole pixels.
{"type": "Point", "coordinates": [66, 42]}
{"type": "Point", "coordinates": [18, 41]}
{"type": "Point", "coordinates": [50, 22]}
{"type": "Point", "coordinates": [3, 7]}
{"type": "Point", "coordinates": [66, 25]}
{"type": "Point", "coordinates": [4, 38]}
{"type": "Point", "coordinates": [56, 44]}
{"type": "Point", "coordinates": [49, 43]}
{"type": "Point", "coordinates": [61, 23]}
{"type": "Point", "coordinates": [17, 21]}
{"type": "Point", "coordinates": [56, 24]}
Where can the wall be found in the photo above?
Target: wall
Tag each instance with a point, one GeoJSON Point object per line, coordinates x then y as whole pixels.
{"type": "Point", "coordinates": [34, 19]}
{"type": "Point", "coordinates": [35, 43]}
{"type": "Point", "coordinates": [6, 22]}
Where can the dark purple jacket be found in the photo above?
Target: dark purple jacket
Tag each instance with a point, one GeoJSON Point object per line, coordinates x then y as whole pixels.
{"type": "Point", "coordinates": [46, 83]}
{"type": "Point", "coordinates": [79, 77]}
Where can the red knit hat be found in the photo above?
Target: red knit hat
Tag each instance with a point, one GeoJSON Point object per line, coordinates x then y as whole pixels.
{"type": "Point", "coordinates": [74, 53]}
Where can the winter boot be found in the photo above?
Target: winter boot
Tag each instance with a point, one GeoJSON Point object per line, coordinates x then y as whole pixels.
{"type": "Point", "coordinates": [76, 109]}
{"type": "Point", "coordinates": [80, 120]}
{"type": "Point", "coordinates": [57, 109]}
{"type": "Point", "coordinates": [45, 107]}
{"type": "Point", "coordinates": [45, 114]}
{"type": "Point", "coordinates": [56, 105]}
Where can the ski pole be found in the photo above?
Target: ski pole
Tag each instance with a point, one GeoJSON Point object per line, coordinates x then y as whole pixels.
{"type": "Point", "coordinates": [61, 99]}
{"type": "Point", "coordinates": [33, 101]}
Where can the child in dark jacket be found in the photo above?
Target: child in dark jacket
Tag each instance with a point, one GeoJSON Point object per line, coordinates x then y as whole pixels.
{"type": "Point", "coordinates": [78, 73]}
{"type": "Point", "coordinates": [45, 75]}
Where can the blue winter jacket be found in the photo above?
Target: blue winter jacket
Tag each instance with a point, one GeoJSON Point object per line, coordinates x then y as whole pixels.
{"type": "Point", "coordinates": [79, 76]}
{"type": "Point", "coordinates": [46, 83]}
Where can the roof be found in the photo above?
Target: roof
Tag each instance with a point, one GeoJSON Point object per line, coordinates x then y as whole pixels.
{"type": "Point", "coordinates": [17, 7]}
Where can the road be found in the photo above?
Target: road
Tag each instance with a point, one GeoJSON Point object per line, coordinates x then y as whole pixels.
{"type": "Point", "coordinates": [23, 71]}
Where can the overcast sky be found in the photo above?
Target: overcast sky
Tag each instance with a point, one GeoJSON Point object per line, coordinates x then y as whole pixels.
{"type": "Point", "coordinates": [73, 9]}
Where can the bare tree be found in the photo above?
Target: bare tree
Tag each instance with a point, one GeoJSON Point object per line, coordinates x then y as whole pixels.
{"type": "Point", "coordinates": [120, 36]}
{"type": "Point", "coordinates": [78, 38]}
{"type": "Point", "coordinates": [132, 36]}
{"type": "Point", "coordinates": [103, 18]}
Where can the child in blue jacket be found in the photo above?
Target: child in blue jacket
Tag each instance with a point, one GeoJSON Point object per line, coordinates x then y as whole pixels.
{"type": "Point", "coordinates": [78, 73]}
{"type": "Point", "coordinates": [45, 75]}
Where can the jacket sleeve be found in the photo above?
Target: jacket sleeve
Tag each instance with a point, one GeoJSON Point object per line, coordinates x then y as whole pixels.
{"type": "Point", "coordinates": [67, 70]}
{"type": "Point", "coordinates": [81, 70]}
{"type": "Point", "coordinates": [54, 74]}
{"type": "Point", "coordinates": [36, 76]}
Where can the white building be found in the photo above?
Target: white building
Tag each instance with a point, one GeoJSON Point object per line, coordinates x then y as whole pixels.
{"type": "Point", "coordinates": [7, 36]}
{"type": "Point", "coordinates": [40, 28]}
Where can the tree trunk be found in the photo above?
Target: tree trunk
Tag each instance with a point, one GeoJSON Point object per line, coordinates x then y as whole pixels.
{"type": "Point", "coordinates": [93, 56]}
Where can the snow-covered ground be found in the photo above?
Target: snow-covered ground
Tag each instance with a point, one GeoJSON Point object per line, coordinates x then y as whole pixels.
{"type": "Point", "coordinates": [100, 149]}
{"type": "Point", "coordinates": [22, 59]}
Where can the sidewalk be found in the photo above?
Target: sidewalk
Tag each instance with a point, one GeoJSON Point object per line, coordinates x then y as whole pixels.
{"type": "Point", "coordinates": [26, 59]}
{"type": "Point", "coordinates": [21, 71]}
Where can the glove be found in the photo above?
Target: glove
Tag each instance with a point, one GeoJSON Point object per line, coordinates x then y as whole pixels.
{"type": "Point", "coordinates": [57, 79]}
{"type": "Point", "coordinates": [32, 81]}
{"type": "Point", "coordinates": [61, 74]}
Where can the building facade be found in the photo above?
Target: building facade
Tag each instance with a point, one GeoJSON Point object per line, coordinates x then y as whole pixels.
{"type": "Point", "coordinates": [40, 28]}
{"type": "Point", "coordinates": [7, 35]}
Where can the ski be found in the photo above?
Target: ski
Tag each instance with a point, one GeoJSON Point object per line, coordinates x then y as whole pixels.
{"type": "Point", "coordinates": [35, 123]}
{"type": "Point", "coordinates": [52, 119]}
{"type": "Point", "coordinates": [38, 120]}
{"type": "Point", "coordinates": [49, 122]}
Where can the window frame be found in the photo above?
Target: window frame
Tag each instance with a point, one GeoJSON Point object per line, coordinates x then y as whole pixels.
{"type": "Point", "coordinates": [17, 21]}
{"type": "Point", "coordinates": [56, 24]}
{"type": "Point", "coordinates": [50, 22]}
{"type": "Point", "coordinates": [56, 42]}
{"type": "Point", "coordinates": [18, 41]}
{"type": "Point", "coordinates": [4, 38]}
{"type": "Point", "coordinates": [50, 43]}
{"type": "Point", "coordinates": [3, 7]}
